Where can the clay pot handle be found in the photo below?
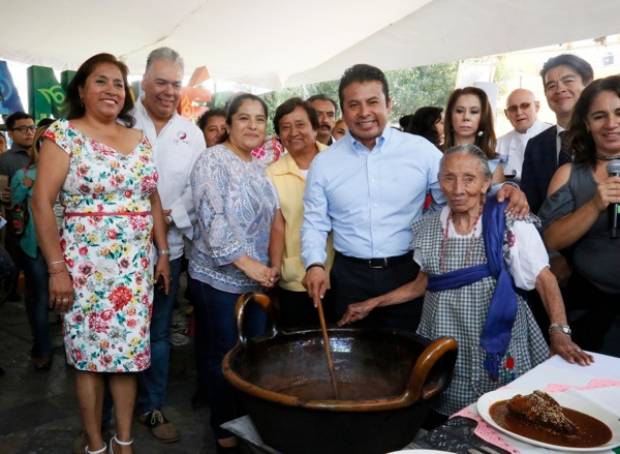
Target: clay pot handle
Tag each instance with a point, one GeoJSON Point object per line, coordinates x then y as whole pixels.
{"type": "Point", "coordinates": [264, 302]}
{"type": "Point", "coordinates": [419, 389]}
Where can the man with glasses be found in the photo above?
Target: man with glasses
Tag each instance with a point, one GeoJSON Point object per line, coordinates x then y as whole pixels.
{"type": "Point", "coordinates": [521, 110]}
{"type": "Point", "coordinates": [21, 129]}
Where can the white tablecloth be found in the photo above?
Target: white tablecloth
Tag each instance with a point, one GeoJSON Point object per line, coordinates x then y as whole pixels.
{"type": "Point", "coordinates": [599, 382]}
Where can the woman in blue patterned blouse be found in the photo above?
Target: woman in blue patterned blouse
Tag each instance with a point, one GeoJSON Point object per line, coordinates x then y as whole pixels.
{"type": "Point", "coordinates": [235, 204]}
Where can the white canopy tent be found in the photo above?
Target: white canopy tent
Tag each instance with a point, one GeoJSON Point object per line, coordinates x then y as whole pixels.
{"type": "Point", "coordinates": [272, 43]}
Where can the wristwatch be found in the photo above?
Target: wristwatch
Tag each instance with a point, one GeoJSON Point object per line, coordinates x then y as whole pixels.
{"type": "Point", "coordinates": [561, 328]}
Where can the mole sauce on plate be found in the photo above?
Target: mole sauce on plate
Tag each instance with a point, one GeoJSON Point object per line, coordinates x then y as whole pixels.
{"type": "Point", "coordinates": [590, 431]}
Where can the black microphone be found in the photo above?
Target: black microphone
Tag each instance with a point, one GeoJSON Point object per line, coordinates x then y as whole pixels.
{"type": "Point", "coordinates": [613, 210]}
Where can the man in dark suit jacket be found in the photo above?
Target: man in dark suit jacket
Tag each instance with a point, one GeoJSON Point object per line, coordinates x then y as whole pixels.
{"type": "Point", "coordinates": [539, 165]}
{"type": "Point", "coordinates": [564, 78]}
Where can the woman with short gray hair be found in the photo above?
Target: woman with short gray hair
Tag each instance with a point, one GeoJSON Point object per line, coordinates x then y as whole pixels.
{"type": "Point", "coordinates": [472, 256]}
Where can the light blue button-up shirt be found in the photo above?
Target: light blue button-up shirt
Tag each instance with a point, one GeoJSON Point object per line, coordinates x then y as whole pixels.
{"type": "Point", "coordinates": [368, 198]}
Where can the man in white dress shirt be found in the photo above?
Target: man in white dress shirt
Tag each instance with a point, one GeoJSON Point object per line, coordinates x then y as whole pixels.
{"type": "Point", "coordinates": [177, 143]}
{"type": "Point", "coordinates": [521, 110]}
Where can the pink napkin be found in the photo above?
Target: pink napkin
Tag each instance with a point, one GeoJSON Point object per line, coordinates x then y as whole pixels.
{"type": "Point", "coordinates": [486, 432]}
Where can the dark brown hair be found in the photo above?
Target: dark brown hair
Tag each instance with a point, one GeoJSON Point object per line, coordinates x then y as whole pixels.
{"type": "Point", "coordinates": [73, 103]}
{"type": "Point", "coordinates": [579, 65]}
{"type": "Point", "coordinates": [33, 151]}
{"type": "Point", "coordinates": [290, 105]}
{"type": "Point", "coordinates": [362, 73]}
{"type": "Point", "coordinates": [204, 118]}
{"type": "Point", "coordinates": [579, 138]}
{"type": "Point", "coordinates": [422, 123]}
{"type": "Point", "coordinates": [485, 136]}
{"type": "Point", "coordinates": [234, 104]}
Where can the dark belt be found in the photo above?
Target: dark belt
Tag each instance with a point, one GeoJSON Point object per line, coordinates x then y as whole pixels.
{"type": "Point", "coordinates": [378, 263]}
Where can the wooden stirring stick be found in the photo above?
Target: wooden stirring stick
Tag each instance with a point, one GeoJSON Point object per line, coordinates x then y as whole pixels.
{"type": "Point", "coordinates": [326, 347]}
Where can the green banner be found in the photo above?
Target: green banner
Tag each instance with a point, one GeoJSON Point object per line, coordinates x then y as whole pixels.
{"type": "Point", "coordinates": [46, 95]}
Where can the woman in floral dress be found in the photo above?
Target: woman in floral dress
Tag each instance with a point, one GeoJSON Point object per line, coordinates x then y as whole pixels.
{"type": "Point", "coordinates": [472, 256]}
{"type": "Point", "coordinates": [100, 266]}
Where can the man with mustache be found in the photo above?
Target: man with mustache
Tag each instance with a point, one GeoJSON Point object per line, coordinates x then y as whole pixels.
{"type": "Point", "coordinates": [326, 109]}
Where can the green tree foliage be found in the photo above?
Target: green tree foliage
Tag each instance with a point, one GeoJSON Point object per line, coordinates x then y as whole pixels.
{"type": "Point", "coordinates": [413, 88]}
{"type": "Point", "coordinates": [410, 89]}
{"type": "Point", "coordinates": [274, 98]}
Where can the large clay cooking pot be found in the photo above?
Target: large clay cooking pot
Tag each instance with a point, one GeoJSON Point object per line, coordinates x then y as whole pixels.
{"type": "Point", "coordinates": [385, 381]}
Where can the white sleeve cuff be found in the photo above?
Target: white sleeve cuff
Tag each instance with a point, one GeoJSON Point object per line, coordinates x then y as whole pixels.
{"type": "Point", "coordinates": [181, 219]}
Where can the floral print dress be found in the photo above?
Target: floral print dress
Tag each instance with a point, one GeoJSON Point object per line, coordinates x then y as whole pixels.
{"type": "Point", "coordinates": [106, 238]}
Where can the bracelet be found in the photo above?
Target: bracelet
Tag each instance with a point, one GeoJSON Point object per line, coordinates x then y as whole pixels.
{"type": "Point", "coordinates": [320, 265]}
{"type": "Point", "coordinates": [164, 251]}
{"type": "Point", "coordinates": [63, 270]}
{"type": "Point", "coordinates": [55, 262]}
{"type": "Point", "coordinates": [565, 329]}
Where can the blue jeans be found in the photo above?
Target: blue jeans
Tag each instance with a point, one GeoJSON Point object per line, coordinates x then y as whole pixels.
{"type": "Point", "coordinates": [154, 380]}
{"type": "Point", "coordinates": [201, 330]}
{"type": "Point", "coordinates": [37, 300]}
{"type": "Point", "coordinates": [222, 336]}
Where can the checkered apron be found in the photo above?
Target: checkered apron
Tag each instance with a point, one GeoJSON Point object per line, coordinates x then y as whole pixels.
{"type": "Point", "coordinates": [461, 313]}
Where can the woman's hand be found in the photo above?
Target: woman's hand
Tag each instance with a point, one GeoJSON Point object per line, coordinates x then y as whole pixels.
{"type": "Point", "coordinates": [608, 191]}
{"type": "Point", "coordinates": [264, 275]}
{"type": "Point", "coordinates": [162, 272]}
{"type": "Point", "coordinates": [275, 274]}
{"type": "Point", "coordinates": [564, 346]}
{"type": "Point", "coordinates": [60, 291]}
{"type": "Point", "coordinates": [358, 311]}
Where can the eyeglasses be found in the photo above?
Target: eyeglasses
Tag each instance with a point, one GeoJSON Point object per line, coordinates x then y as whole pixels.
{"type": "Point", "coordinates": [25, 129]}
{"type": "Point", "coordinates": [515, 107]}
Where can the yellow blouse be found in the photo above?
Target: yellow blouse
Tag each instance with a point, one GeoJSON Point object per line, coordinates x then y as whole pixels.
{"type": "Point", "coordinates": [290, 185]}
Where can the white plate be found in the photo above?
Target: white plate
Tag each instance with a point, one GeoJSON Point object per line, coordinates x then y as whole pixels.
{"type": "Point", "coordinates": [565, 399]}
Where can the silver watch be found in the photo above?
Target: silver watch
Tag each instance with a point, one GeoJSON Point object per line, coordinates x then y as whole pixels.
{"type": "Point", "coordinates": [561, 328]}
